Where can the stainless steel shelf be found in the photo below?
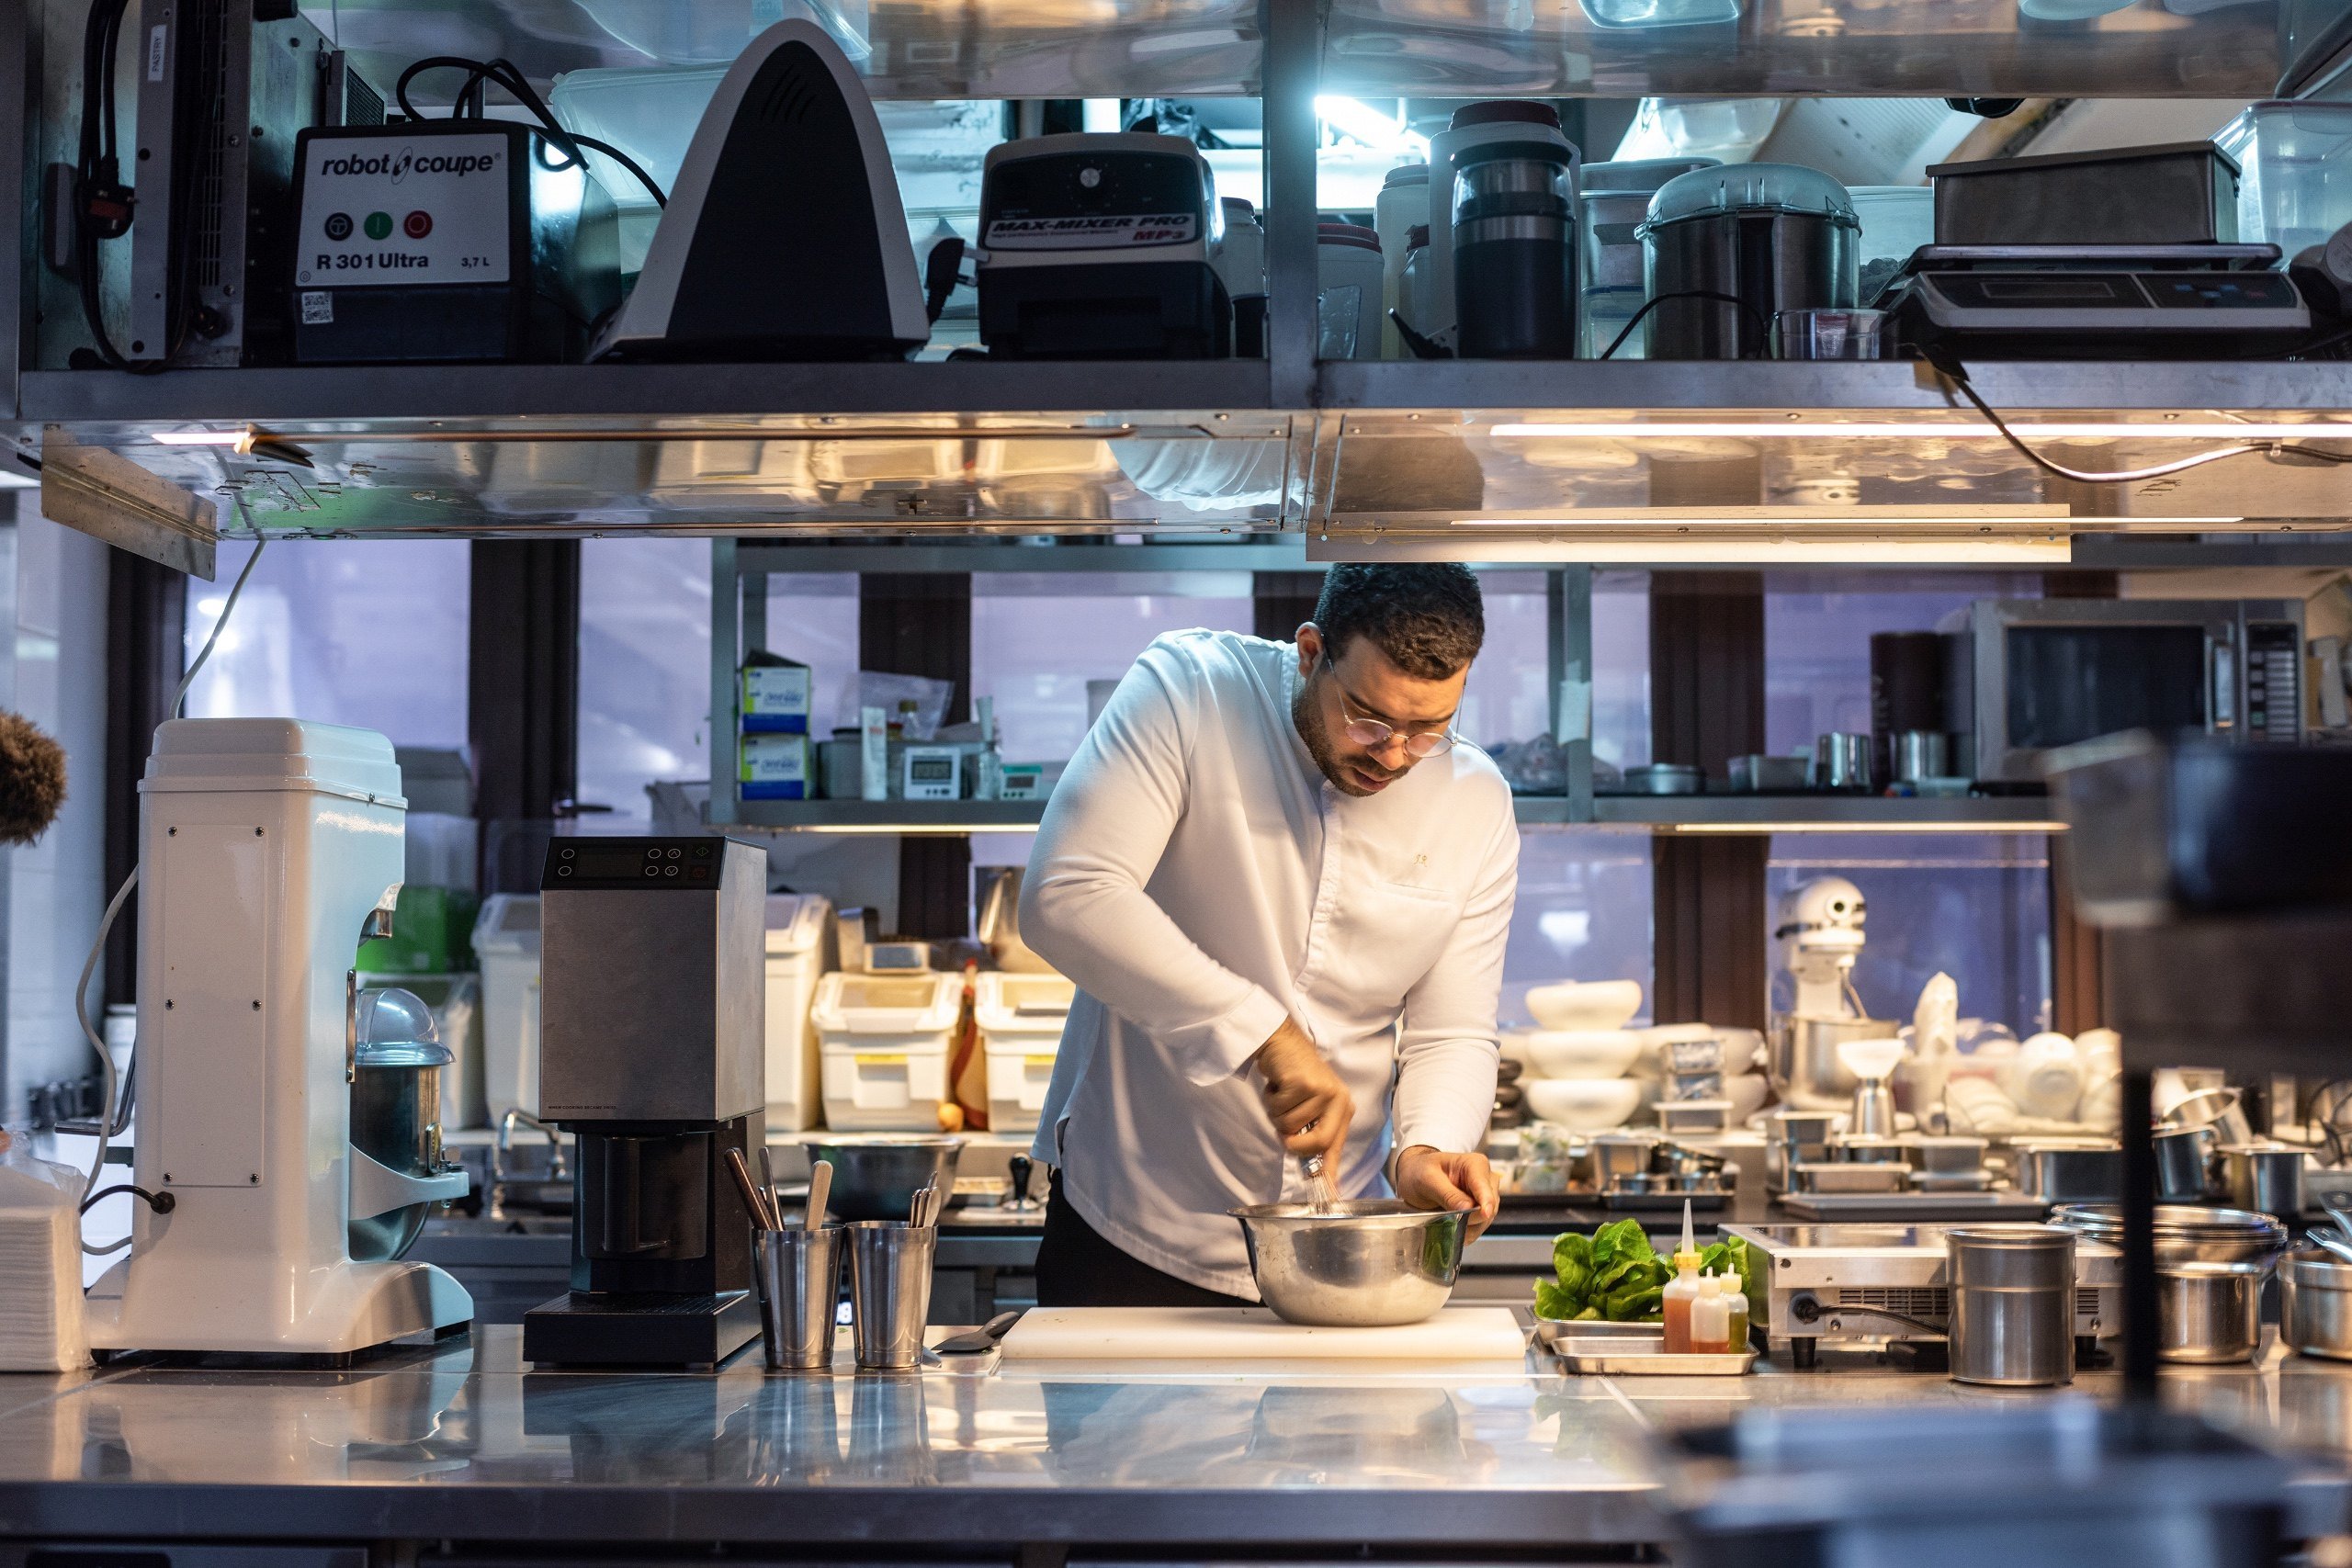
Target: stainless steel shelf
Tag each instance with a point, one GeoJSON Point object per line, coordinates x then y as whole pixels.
{"type": "Point", "coordinates": [1822, 813]}
{"type": "Point", "coordinates": [1792, 387]}
{"type": "Point", "coordinates": [917, 817]}
{"type": "Point", "coordinates": [681, 398]}
{"type": "Point", "coordinates": [1660, 814]}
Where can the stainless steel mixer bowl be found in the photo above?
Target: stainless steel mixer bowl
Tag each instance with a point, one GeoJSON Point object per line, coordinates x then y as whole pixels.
{"type": "Point", "coordinates": [877, 1178]}
{"type": "Point", "coordinates": [1366, 1263]}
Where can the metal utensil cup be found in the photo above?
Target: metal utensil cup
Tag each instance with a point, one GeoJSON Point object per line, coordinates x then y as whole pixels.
{"type": "Point", "coordinates": [2185, 1165]}
{"type": "Point", "coordinates": [889, 1266]}
{"type": "Point", "coordinates": [2264, 1177]}
{"type": "Point", "coordinates": [798, 1276]}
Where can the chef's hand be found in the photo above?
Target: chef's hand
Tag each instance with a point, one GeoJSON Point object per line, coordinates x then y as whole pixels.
{"type": "Point", "coordinates": [1432, 1179]}
{"type": "Point", "coordinates": [1309, 1105]}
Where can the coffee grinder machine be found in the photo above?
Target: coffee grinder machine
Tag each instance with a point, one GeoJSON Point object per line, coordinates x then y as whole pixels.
{"type": "Point", "coordinates": [653, 1033]}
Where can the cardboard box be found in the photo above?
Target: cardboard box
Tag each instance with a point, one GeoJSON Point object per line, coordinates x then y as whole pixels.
{"type": "Point", "coordinates": [776, 767]}
{"type": "Point", "coordinates": [776, 698]}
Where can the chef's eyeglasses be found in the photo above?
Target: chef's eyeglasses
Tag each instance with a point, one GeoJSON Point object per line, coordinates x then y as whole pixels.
{"type": "Point", "coordinates": [1376, 732]}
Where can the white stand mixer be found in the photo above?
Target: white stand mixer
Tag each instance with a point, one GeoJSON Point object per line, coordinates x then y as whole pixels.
{"type": "Point", "coordinates": [269, 847]}
{"type": "Point", "coordinates": [1820, 933]}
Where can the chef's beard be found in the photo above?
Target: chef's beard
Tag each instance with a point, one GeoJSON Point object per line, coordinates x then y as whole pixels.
{"type": "Point", "coordinates": [1306, 718]}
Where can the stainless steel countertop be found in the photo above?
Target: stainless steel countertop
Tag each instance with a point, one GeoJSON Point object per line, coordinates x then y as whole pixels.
{"type": "Point", "coordinates": [460, 1440]}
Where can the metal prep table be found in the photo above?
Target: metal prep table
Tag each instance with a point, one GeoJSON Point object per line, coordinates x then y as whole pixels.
{"type": "Point", "coordinates": [461, 1455]}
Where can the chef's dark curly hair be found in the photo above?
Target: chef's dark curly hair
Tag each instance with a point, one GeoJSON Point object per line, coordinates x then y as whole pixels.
{"type": "Point", "coordinates": [1428, 620]}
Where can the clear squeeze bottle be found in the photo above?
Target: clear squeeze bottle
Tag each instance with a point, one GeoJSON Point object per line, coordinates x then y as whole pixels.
{"type": "Point", "coordinates": [1681, 1290]}
{"type": "Point", "coordinates": [1736, 1300]}
{"type": "Point", "coordinates": [1710, 1319]}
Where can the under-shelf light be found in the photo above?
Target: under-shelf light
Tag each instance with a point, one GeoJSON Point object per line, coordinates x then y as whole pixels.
{"type": "Point", "coordinates": [909, 829]}
{"type": "Point", "coordinates": [198, 437]}
{"type": "Point", "coordinates": [1946, 429]}
{"type": "Point", "coordinates": [1888, 826]}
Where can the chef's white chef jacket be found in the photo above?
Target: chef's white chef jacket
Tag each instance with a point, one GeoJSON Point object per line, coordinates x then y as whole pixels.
{"type": "Point", "coordinates": [1199, 879]}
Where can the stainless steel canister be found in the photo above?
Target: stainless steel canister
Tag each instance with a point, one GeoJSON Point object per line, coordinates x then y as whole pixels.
{"type": "Point", "coordinates": [2067, 1172]}
{"type": "Point", "coordinates": [2210, 1311]}
{"type": "Point", "coordinates": [1727, 249]}
{"type": "Point", "coordinates": [2012, 1304]}
{"type": "Point", "coordinates": [2185, 1165]}
{"type": "Point", "coordinates": [1514, 251]}
{"type": "Point", "coordinates": [2315, 1304]}
{"type": "Point", "coordinates": [1920, 754]}
{"type": "Point", "coordinates": [2265, 1177]}
{"type": "Point", "coordinates": [1841, 763]}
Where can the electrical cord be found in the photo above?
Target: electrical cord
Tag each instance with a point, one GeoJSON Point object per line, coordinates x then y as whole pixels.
{"type": "Point", "coordinates": [506, 74]}
{"type": "Point", "coordinates": [1949, 364]}
{"type": "Point", "coordinates": [1754, 314]}
{"type": "Point", "coordinates": [114, 908]}
{"type": "Point", "coordinates": [1810, 1311]}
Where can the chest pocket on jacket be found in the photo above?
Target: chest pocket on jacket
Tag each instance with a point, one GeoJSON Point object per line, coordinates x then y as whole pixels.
{"type": "Point", "coordinates": [1392, 933]}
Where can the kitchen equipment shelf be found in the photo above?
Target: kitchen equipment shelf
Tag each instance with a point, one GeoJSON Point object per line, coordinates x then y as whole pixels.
{"type": "Point", "coordinates": [1689, 814]}
{"type": "Point", "coordinates": [558, 450]}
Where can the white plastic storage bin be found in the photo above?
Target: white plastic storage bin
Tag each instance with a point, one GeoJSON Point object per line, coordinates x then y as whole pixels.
{"type": "Point", "coordinates": [2295, 184]}
{"type": "Point", "coordinates": [799, 951]}
{"type": "Point", "coordinates": [1021, 1019]}
{"type": "Point", "coordinates": [506, 941]}
{"type": "Point", "coordinates": [885, 1040]}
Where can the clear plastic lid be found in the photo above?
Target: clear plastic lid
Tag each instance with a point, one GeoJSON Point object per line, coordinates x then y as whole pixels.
{"type": "Point", "coordinates": [1640, 174]}
{"type": "Point", "coordinates": [396, 1030]}
{"type": "Point", "coordinates": [1752, 187]}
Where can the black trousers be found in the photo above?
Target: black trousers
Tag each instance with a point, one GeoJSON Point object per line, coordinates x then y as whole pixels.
{"type": "Point", "coordinates": [1076, 1267]}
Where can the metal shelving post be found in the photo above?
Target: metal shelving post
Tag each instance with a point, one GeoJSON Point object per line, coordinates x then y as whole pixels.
{"type": "Point", "coordinates": [1568, 620]}
{"type": "Point", "coordinates": [725, 644]}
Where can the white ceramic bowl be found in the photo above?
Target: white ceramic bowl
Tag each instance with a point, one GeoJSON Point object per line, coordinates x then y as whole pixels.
{"type": "Point", "coordinates": [1578, 1053]}
{"type": "Point", "coordinates": [1584, 1105]}
{"type": "Point", "coordinates": [1585, 1004]}
{"type": "Point", "coordinates": [1746, 1093]}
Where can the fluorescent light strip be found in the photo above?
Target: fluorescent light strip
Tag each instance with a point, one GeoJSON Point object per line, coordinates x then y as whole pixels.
{"type": "Point", "coordinates": [1974, 430]}
{"type": "Point", "coordinates": [198, 437]}
{"type": "Point", "coordinates": [909, 829]}
{"type": "Point", "coordinates": [1891, 826]}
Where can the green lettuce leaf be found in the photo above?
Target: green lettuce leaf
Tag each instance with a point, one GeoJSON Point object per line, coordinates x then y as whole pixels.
{"type": "Point", "coordinates": [1617, 1241]}
{"type": "Point", "coordinates": [1554, 1303]}
{"type": "Point", "coordinates": [1572, 1260]}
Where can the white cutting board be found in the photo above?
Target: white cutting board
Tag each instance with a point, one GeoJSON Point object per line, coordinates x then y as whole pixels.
{"type": "Point", "coordinates": [1255, 1334]}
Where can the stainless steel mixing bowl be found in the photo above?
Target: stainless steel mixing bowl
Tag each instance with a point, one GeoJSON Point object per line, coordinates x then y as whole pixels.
{"type": "Point", "coordinates": [877, 1178]}
{"type": "Point", "coordinates": [1366, 1263]}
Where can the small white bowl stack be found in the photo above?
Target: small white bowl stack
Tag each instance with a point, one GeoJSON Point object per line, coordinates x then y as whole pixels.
{"type": "Point", "coordinates": [1586, 1072]}
{"type": "Point", "coordinates": [1579, 1055]}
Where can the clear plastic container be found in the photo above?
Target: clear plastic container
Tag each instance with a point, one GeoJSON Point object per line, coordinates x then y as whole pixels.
{"type": "Point", "coordinates": [1896, 220]}
{"type": "Point", "coordinates": [2295, 179]}
{"type": "Point", "coordinates": [1021, 1019]}
{"type": "Point", "coordinates": [1612, 201]}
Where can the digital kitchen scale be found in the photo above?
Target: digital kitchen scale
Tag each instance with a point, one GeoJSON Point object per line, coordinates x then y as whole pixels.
{"type": "Point", "coordinates": [2096, 301]}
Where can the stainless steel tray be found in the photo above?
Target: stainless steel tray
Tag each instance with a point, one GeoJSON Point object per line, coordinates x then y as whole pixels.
{"type": "Point", "coordinates": [1632, 1350]}
{"type": "Point", "coordinates": [1909, 1208]}
{"type": "Point", "coordinates": [1549, 1329]}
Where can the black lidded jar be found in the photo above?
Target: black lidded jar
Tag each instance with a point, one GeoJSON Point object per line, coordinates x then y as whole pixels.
{"type": "Point", "coordinates": [1514, 252]}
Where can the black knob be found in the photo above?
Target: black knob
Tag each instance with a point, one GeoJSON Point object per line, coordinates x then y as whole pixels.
{"type": "Point", "coordinates": [1020, 1165]}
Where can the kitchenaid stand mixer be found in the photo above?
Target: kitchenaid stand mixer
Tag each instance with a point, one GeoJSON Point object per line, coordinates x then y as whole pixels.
{"type": "Point", "coordinates": [269, 849]}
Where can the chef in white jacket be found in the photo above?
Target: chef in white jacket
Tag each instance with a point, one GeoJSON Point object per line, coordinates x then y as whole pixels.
{"type": "Point", "coordinates": [1282, 884]}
